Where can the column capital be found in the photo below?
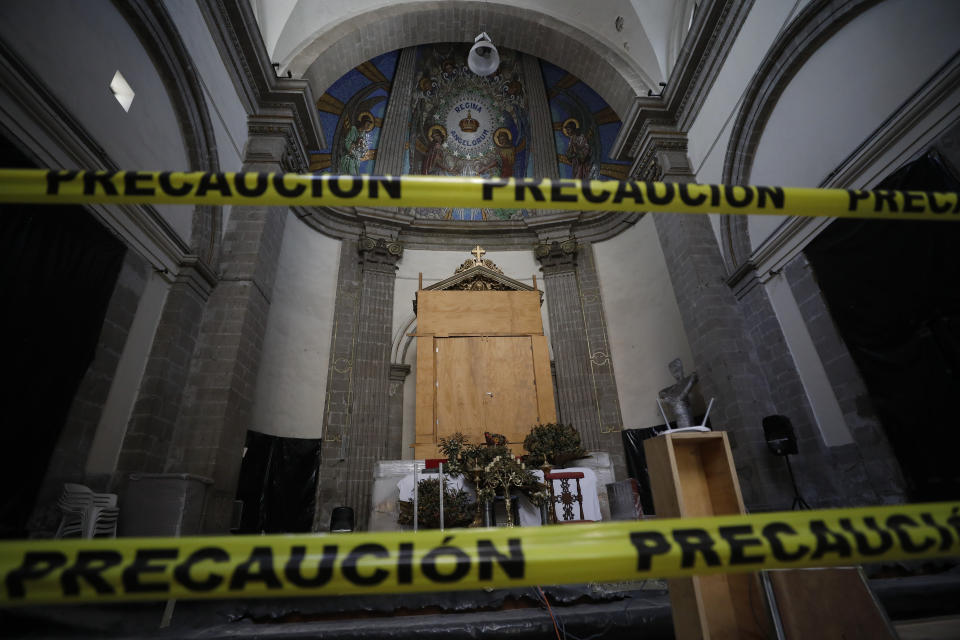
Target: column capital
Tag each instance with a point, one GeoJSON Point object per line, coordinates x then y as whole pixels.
{"type": "Point", "coordinates": [557, 256]}
{"type": "Point", "coordinates": [379, 253]}
{"type": "Point", "coordinates": [274, 140]}
{"type": "Point", "coordinates": [399, 372]}
{"type": "Point", "coordinates": [197, 275]}
{"type": "Point", "coordinates": [662, 155]}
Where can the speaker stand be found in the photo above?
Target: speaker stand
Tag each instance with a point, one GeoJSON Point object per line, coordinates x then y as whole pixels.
{"type": "Point", "coordinates": [798, 501]}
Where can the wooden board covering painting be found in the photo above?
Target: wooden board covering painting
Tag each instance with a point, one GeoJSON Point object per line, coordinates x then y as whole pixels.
{"type": "Point", "coordinates": [482, 360]}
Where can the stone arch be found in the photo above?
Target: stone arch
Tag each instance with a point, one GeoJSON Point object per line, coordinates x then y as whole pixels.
{"type": "Point", "coordinates": [402, 341]}
{"type": "Point", "coordinates": [337, 49]}
{"type": "Point", "coordinates": [817, 22]}
{"type": "Point", "coordinates": [160, 38]}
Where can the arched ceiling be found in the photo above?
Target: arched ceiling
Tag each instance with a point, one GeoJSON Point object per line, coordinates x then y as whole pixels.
{"type": "Point", "coordinates": [322, 41]}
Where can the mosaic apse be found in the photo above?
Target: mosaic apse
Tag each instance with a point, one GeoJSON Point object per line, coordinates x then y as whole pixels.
{"type": "Point", "coordinates": [466, 125]}
{"type": "Point", "coordinates": [351, 115]}
{"type": "Point", "coordinates": [584, 126]}
{"type": "Point", "coordinates": [462, 124]}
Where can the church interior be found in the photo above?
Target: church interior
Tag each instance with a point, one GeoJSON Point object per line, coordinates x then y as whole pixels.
{"type": "Point", "coordinates": [228, 369]}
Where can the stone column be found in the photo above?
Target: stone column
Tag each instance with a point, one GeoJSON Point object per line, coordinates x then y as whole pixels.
{"type": "Point", "coordinates": [337, 418]}
{"type": "Point", "coordinates": [724, 355]}
{"type": "Point", "coordinates": [576, 399]}
{"type": "Point", "coordinates": [358, 404]}
{"type": "Point", "coordinates": [585, 384]}
{"type": "Point", "coordinates": [396, 119]}
{"type": "Point", "coordinates": [601, 365]}
{"type": "Point", "coordinates": [153, 418]}
{"type": "Point", "coordinates": [367, 440]}
{"type": "Point", "coordinates": [216, 413]}
{"type": "Point", "coordinates": [542, 144]}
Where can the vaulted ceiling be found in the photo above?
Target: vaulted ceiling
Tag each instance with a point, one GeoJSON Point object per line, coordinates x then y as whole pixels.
{"type": "Point", "coordinates": [622, 48]}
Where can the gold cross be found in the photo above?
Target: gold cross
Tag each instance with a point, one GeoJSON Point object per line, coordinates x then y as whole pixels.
{"type": "Point", "coordinates": [479, 253]}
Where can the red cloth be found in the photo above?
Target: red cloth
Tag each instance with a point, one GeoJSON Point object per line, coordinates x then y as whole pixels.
{"type": "Point", "coordinates": [563, 475]}
{"type": "Point", "coordinates": [433, 463]}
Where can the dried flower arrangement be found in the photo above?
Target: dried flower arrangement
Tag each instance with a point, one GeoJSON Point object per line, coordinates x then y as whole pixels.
{"type": "Point", "coordinates": [458, 508]}
{"type": "Point", "coordinates": [553, 444]}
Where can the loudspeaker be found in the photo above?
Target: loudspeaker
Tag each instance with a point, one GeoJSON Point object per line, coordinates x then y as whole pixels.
{"type": "Point", "coordinates": [341, 520]}
{"type": "Point", "coordinates": [780, 436]}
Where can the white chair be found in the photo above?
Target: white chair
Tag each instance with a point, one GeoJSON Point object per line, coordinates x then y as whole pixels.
{"type": "Point", "coordinates": [101, 520]}
{"type": "Point", "coordinates": [73, 503]}
{"type": "Point", "coordinates": [86, 514]}
{"type": "Point", "coordinates": [699, 427]}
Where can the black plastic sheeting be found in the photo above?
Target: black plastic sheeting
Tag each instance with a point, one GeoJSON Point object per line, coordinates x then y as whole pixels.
{"type": "Point", "coordinates": [278, 482]}
{"type": "Point", "coordinates": [637, 459]}
{"type": "Point", "coordinates": [893, 293]}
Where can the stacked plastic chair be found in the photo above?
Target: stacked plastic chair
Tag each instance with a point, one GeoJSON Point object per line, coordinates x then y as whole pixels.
{"type": "Point", "coordinates": [72, 503]}
{"type": "Point", "coordinates": [87, 514]}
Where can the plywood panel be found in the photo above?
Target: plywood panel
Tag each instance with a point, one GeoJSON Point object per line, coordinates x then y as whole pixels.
{"type": "Point", "coordinates": [695, 495]}
{"type": "Point", "coordinates": [479, 312]}
{"type": "Point", "coordinates": [749, 601]}
{"type": "Point", "coordinates": [461, 364]}
{"type": "Point", "coordinates": [426, 374]}
{"type": "Point", "coordinates": [721, 477]}
{"type": "Point", "coordinates": [546, 406]}
{"type": "Point", "coordinates": [663, 477]}
{"type": "Point", "coordinates": [509, 392]}
{"type": "Point", "coordinates": [485, 384]}
{"type": "Point", "coordinates": [717, 607]}
{"type": "Point", "coordinates": [828, 603]}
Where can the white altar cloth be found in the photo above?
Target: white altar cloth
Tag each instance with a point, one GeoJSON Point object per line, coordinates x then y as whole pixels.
{"type": "Point", "coordinates": [529, 513]}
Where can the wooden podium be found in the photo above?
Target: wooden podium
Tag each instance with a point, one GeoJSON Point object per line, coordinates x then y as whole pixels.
{"type": "Point", "coordinates": [482, 359]}
{"type": "Point", "coordinates": [692, 475]}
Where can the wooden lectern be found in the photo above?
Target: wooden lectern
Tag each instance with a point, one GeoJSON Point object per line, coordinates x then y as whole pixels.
{"type": "Point", "coordinates": [482, 359]}
{"type": "Point", "coordinates": [692, 475]}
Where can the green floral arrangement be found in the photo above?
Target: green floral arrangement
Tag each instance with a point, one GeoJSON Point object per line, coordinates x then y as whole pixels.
{"type": "Point", "coordinates": [458, 509]}
{"type": "Point", "coordinates": [554, 444]}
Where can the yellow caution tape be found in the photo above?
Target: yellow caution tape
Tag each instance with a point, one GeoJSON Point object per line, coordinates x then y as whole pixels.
{"type": "Point", "coordinates": [300, 565]}
{"type": "Point", "coordinates": [130, 187]}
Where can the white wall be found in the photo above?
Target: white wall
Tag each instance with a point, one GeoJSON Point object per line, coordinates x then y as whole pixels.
{"type": "Point", "coordinates": [271, 16]}
{"type": "Point", "coordinates": [227, 114]}
{"type": "Point", "coordinates": [74, 49]}
{"type": "Point", "coordinates": [292, 380]}
{"type": "Point", "coordinates": [847, 88]}
{"type": "Point", "coordinates": [643, 322]}
{"type": "Point", "coordinates": [436, 266]}
{"type": "Point", "coordinates": [709, 133]}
